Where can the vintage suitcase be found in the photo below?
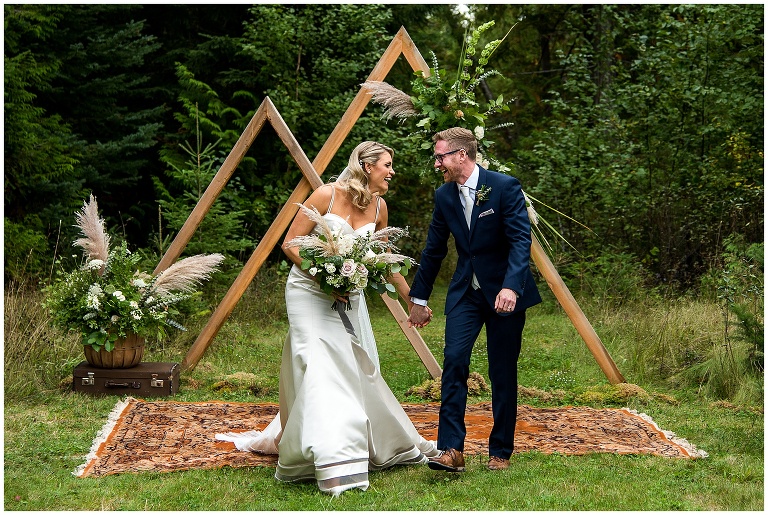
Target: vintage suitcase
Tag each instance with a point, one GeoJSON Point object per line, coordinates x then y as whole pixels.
{"type": "Point", "coordinates": [147, 379]}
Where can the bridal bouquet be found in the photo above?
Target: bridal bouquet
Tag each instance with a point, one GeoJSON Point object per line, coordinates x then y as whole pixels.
{"type": "Point", "coordinates": [343, 263]}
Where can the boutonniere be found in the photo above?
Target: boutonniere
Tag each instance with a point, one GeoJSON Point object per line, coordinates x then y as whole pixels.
{"type": "Point", "coordinates": [482, 194]}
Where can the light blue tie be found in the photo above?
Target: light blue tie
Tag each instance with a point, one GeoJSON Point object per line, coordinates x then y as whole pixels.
{"type": "Point", "coordinates": [468, 217]}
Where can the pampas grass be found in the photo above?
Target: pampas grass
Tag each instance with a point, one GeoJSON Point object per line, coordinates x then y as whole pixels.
{"type": "Point", "coordinates": [95, 242]}
{"type": "Point", "coordinates": [397, 104]}
{"type": "Point", "coordinates": [187, 274]}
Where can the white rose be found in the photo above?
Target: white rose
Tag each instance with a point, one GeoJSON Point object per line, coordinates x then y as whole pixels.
{"type": "Point", "coordinates": [119, 295]}
{"type": "Point", "coordinates": [479, 132]}
{"type": "Point", "coordinates": [329, 267]}
{"type": "Point", "coordinates": [313, 271]}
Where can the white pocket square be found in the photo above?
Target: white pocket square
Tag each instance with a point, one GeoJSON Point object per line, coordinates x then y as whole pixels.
{"type": "Point", "coordinates": [485, 213]}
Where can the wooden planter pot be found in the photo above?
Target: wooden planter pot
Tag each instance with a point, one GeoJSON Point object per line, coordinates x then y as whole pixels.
{"type": "Point", "coordinates": [126, 354]}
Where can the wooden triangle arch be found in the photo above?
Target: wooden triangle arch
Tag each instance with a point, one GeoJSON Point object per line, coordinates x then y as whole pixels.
{"type": "Point", "coordinates": [401, 44]}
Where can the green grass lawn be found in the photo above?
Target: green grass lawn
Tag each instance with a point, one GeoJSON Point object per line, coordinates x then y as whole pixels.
{"type": "Point", "coordinates": [47, 436]}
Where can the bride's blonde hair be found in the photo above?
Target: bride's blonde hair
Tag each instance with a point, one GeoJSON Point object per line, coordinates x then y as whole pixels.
{"type": "Point", "coordinates": [354, 178]}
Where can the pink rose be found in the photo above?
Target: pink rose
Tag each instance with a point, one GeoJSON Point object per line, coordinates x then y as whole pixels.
{"type": "Point", "coordinates": [348, 268]}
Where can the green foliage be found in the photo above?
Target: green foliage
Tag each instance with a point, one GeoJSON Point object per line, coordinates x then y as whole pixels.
{"type": "Point", "coordinates": [40, 151]}
{"type": "Point", "coordinates": [740, 287]}
{"type": "Point", "coordinates": [646, 145]}
{"type": "Point", "coordinates": [25, 251]}
{"type": "Point", "coordinates": [223, 228]}
{"type": "Point", "coordinates": [611, 278]}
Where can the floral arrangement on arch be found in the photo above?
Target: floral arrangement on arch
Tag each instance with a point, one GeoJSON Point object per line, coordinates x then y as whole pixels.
{"type": "Point", "coordinates": [108, 297]}
{"type": "Point", "coordinates": [437, 103]}
{"type": "Point", "coordinates": [343, 263]}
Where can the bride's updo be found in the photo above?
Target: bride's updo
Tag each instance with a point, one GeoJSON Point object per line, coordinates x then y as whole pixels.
{"type": "Point", "coordinates": [354, 178]}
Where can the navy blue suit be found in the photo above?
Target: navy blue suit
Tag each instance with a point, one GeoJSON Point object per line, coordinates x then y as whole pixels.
{"type": "Point", "coordinates": [496, 248]}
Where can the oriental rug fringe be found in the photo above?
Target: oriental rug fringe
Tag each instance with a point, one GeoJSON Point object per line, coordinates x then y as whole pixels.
{"type": "Point", "coordinates": [164, 436]}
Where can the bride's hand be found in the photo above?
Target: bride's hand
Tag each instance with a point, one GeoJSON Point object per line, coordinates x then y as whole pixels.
{"type": "Point", "coordinates": [339, 297]}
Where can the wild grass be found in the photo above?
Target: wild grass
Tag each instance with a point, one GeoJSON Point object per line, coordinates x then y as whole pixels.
{"type": "Point", "coordinates": [48, 428]}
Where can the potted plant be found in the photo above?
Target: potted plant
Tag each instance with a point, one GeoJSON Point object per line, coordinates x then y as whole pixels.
{"type": "Point", "coordinates": [113, 305]}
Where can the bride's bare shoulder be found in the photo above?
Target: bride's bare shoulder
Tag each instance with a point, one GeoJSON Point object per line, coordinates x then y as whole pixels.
{"type": "Point", "coordinates": [321, 197]}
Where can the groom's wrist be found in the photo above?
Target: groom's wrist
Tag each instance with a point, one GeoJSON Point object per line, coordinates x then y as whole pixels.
{"type": "Point", "coordinates": [419, 302]}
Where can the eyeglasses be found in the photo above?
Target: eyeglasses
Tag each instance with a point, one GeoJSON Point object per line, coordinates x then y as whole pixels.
{"type": "Point", "coordinates": [439, 157]}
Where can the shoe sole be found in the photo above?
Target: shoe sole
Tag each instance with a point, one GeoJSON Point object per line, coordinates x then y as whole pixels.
{"type": "Point", "coordinates": [439, 466]}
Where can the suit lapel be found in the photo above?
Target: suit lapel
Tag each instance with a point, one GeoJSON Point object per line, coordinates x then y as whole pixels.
{"type": "Point", "coordinates": [480, 183]}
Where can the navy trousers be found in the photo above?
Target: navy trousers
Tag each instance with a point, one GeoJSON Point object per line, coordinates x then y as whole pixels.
{"type": "Point", "coordinates": [504, 334]}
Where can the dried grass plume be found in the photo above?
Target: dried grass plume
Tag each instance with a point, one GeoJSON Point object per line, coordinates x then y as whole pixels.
{"type": "Point", "coordinates": [397, 104]}
{"type": "Point", "coordinates": [186, 274]}
{"type": "Point", "coordinates": [95, 242]}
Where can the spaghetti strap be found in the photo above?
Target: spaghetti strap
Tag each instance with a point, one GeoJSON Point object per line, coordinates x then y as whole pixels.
{"type": "Point", "coordinates": [378, 207]}
{"type": "Point", "coordinates": [330, 204]}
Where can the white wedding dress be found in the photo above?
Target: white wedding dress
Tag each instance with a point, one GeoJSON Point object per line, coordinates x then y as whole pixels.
{"type": "Point", "coordinates": [338, 418]}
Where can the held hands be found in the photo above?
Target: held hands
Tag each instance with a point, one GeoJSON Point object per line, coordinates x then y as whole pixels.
{"type": "Point", "coordinates": [420, 316]}
{"type": "Point", "coordinates": [505, 301]}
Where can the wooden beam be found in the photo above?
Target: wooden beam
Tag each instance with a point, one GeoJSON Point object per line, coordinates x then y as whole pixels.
{"type": "Point", "coordinates": [214, 188]}
{"type": "Point", "coordinates": [400, 44]}
{"type": "Point", "coordinates": [417, 342]}
{"type": "Point", "coordinates": [575, 313]}
{"type": "Point", "coordinates": [280, 224]}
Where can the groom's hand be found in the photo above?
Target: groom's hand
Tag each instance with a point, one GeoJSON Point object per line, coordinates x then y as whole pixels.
{"type": "Point", "coordinates": [506, 301]}
{"type": "Point", "coordinates": [419, 316]}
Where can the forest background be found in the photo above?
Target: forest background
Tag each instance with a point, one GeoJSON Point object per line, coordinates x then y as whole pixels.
{"type": "Point", "coordinates": [642, 122]}
{"type": "Point", "coordinates": [645, 123]}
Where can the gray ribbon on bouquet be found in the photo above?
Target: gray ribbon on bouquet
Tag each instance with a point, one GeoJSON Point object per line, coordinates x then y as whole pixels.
{"type": "Point", "coordinates": [342, 309]}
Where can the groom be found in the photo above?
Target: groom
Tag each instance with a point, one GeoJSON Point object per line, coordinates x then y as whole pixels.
{"type": "Point", "coordinates": [493, 286]}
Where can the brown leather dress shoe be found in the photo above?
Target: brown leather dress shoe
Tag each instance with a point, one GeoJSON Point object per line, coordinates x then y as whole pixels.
{"type": "Point", "coordinates": [450, 461]}
{"type": "Point", "coordinates": [496, 463]}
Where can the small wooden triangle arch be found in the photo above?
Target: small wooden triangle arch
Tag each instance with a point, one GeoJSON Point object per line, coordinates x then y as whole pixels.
{"type": "Point", "coordinates": [401, 44]}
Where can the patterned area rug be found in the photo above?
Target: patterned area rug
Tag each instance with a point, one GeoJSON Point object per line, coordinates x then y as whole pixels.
{"type": "Point", "coordinates": [165, 436]}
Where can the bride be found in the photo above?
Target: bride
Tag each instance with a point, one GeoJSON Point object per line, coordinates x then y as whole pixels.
{"type": "Point", "coordinates": [338, 418]}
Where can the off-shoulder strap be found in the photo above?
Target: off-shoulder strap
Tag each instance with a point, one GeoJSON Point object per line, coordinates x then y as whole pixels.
{"type": "Point", "coordinates": [378, 207]}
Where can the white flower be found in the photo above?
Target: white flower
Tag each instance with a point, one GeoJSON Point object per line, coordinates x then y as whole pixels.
{"type": "Point", "coordinates": [479, 132]}
{"type": "Point", "coordinates": [134, 304]}
{"type": "Point", "coordinates": [345, 243]}
{"type": "Point", "coordinates": [329, 267]}
{"type": "Point", "coordinates": [348, 268]}
{"type": "Point", "coordinates": [119, 295]}
{"type": "Point", "coordinates": [362, 270]}
{"type": "Point", "coordinates": [313, 271]}
{"type": "Point", "coordinates": [115, 318]}
{"type": "Point", "coordinates": [92, 302]}
{"type": "Point", "coordinates": [94, 264]}
{"type": "Point", "coordinates": [92, 298]}
{"type": "Point", "coordinates": [139, 283]}
{"type": "Point", "coordinates": [136, 314]}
